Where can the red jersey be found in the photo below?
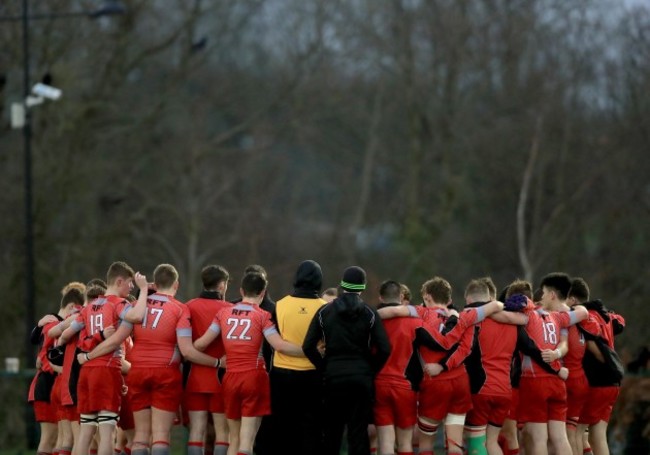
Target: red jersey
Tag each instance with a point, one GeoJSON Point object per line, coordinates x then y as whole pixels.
{"type": "Point", "coordinates": [488, 365]}
{"type": "Point", "coordinates": [154, 339]}
{"type": "Point", "coordinates": [458, 341]}
{"type": "Point", "coordinates": [401, 334]}
{"type": "Point", "coordinates": [47, 344]}
{"type": "Point", "coordinates": [435, 319]}
{"type": "Point", "coordinates": [203, 378]}
{"type": "Point", "coordinates": [101, 313]}
{"type": "Point", "coordinates": [577, 345]}
{"type": "Point", "coordinates": [243, 327]}
{"type": "Point", "coordinates": [544, 329]}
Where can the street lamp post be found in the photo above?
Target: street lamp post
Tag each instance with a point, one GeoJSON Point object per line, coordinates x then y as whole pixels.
{"type": "Point", "coordinates": [30, 299]}
{"type": "Point", "coordinates": [108, 8]}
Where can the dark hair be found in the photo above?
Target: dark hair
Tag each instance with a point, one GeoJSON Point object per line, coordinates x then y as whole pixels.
{"type": "Point", "coordinates": [93, 291]}
{"type": "Point", "coordinates": [73, 295]}
{"type": "Point", "coordinates": [255, 268]}
{"type": "Point", "coordinates": [253, 284]}
{"type": "Point", "coordinates": [559, 282]}
{"type": "Point", "coordinates": [117, 270]}
{"type": "Point", "coordinates": [390, 291]}
{"type": "Point", "coordinates": [164, 276]}
{"type": "Point", "coordinates": [96, 282]}
{"type": "Point", "coordinates": [520, 287]}
{"type": "Point", "coordinates": [537, 295]}
{"type": "Point", "coordinates": [212, 275]}
{"type": "Point", "coordinates": [438, 288]}
{"type": "Point", "coordinates": [579, 290]}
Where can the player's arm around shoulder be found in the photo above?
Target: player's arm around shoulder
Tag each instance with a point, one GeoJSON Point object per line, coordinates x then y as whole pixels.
{"type": "Point", "coordinates": [507, 317]}
{"type": "Point", "coordinates": [192, 354]}
{"type": "Point", "coordinates": [403, 311]}
{"type": "Point", "coordinates": [201, 343]}
{"type": "Point", "coordinates": [283, 346]}
{"type": "Point", "coordinates": [578, 313]}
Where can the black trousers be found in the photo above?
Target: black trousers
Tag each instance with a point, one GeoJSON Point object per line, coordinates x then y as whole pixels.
{"type": "Point", "coordinates": [297, 412]}
{"type": "Point", "coordinates": [348, 402]}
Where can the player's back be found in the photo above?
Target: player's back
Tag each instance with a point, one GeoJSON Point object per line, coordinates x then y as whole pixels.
{"type": "Point", "coordinates": [95, 317]}
{"type": "Point", "coordinates": [242, 328]}
{"type": "Point", "coordinates": [544, 329]}
{"type": "Point", "coordinates": [489, 363]}
{"type": "Point", "coordinates": [202, 313]}
{"type": "Point", "coordinates": [433, 320]}
{"type": "Point", "coordinates": [154, 340]}
{"type": "Point", "coordinates": [401, 335]}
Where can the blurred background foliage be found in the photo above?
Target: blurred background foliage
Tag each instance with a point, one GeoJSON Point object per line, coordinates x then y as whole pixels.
{"type": "Point", "coordinates": [415, 138]}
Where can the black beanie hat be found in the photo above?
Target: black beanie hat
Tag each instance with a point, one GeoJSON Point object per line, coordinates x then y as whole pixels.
{"type": "Point", "coordinates": [354, 279]}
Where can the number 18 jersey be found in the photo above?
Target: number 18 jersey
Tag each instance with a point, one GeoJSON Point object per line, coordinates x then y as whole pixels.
{"type": "Point", "coordinates": [545, 329]}
{"type": "Point", "coordinates": [243, 328]}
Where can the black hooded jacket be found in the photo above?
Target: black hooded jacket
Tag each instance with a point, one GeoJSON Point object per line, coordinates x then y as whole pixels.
{"type": "Point", "coordinates": [355, 340]}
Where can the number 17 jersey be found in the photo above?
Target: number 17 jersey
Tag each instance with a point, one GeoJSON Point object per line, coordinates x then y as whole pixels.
{"type": "Point", "coordinates": [154, 339]}
{"type": "Point", "coordinates": [243, 328]}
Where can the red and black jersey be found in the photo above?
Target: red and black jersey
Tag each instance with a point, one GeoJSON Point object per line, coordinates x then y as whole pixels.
{"type": "Point", "coordinates": [609, 373]}
{"type": "Point", "coordinates": [401, 335]}
{"type": "Point", "coordinates": [488, 365]}
{"type": "Point", "coordinates": [577, 344]}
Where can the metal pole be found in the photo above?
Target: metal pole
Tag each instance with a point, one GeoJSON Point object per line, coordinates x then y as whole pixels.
{"type": "Point", "coordinates": [30, 301]}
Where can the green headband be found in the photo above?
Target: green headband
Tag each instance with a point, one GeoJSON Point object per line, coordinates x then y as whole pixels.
{"type": "Point", "coordinates": [352, 287]}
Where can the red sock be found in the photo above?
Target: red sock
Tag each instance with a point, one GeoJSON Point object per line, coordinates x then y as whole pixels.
{"type": "Point", "coordinates": [405, 453]}
{"type": "Point", "coordinates": [427, 452]}
{"type": "Point", "coordinates": [92, 451]}
{"type": "Point", "coordinates": [127, 450]}
{"type": "Point", "coordinates": [512, 452]}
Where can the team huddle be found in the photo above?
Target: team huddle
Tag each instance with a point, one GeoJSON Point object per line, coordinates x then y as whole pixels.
{"type": "Point", "coordinates": [531, 372]}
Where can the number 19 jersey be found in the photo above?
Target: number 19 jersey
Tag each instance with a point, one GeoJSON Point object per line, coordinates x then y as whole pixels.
{"type": "Point", "coordinates": [243, 328]}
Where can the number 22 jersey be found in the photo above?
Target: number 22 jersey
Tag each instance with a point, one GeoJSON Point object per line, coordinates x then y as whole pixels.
{"type": "Point", "coordinates": [243, 328]}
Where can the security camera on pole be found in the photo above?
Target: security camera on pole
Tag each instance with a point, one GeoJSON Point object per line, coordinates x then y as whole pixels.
{"type": "Point", "coordinates": [40, 92]}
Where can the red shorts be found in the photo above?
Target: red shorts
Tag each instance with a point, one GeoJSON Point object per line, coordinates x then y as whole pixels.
{"type": "Point", "coordinates": [577, 389]}
{"type": "Point", "coordinates": [395, 406]}
{"type": "Point", "coordinates": [126, 414]}
{"type": "Point", "coordinates": [211, 402]}
{"type": "Point", "coordinates": [599, 404]}
{"type": "Point", "coordinates": [514, 404]}
{"type": "Point", "coordinates": [99, 389]}
{"type": "Point", "coordinates": [247, 394]}
{"type": "Point", "coordinates": [439, 397]}
{"type": "Point", "coordinates": [541, 399]}
{"type": "Point", "coordinates": [488, 409]}
{"type": "Point", "coordinates": [44, 412]}
{"type": "Point", "coordinates": [68, 413]}
{"type": "Point", "coordinates": [158, 387]}
{"type": "Point", "coordinates": [62, 412]}
{"type": "Point", "coordinates": [55, 397]}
